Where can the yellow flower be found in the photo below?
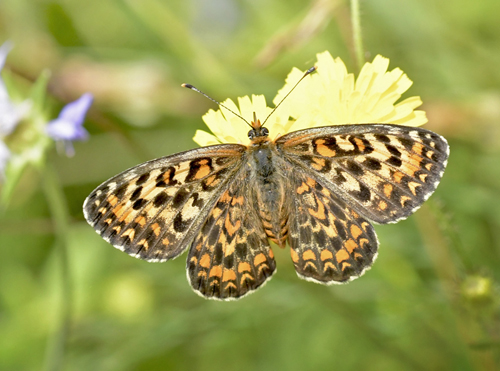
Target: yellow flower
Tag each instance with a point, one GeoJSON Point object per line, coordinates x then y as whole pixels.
{"type": "Point", "coordinates": [229, 128]}
{"type": "Point", "coordinates": [330, 96]}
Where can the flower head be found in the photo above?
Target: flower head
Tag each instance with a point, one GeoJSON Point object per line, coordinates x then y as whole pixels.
{"type": "Point", "coordinates": [332, 96]}
{"type": "Point", "coordinates": [68, 127]}
{"type": "Point", "coordinates": [10, 113]}
{"type": "Point", "coordinates": [229, 128]}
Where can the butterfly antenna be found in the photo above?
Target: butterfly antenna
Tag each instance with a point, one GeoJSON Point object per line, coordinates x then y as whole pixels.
{"type": "Point", "coordinates": [189, 86]}
{"type": "Point", "coordinates": [309, 71]}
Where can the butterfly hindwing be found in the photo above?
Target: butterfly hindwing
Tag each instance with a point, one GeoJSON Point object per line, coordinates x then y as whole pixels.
{"type": "Point", "coordinates": [329, 241]}
{"type": "Point", "coordinates": [231, 255]}
{"type": "Point", "coordinates": [154, 210]}
{"type": "Point", "coordinates": [385, 172]}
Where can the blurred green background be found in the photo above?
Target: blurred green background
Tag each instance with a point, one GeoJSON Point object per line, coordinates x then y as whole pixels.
{"type": "Point", "coordinates": [430, 302]}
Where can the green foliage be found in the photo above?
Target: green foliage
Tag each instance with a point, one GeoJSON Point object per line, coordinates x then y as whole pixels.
{"type": "Point", "coordinates": [69, 301]}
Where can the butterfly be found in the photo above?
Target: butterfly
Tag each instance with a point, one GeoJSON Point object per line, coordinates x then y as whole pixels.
{"type": "Point", "coordinates": [316, 189]}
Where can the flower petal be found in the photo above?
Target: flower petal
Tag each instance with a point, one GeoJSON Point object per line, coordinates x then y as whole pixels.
{"type": "Point", "coordinates": [228, 127]}
{"type": "Point", "coordinates": [333, 96]}
{"type": "Point", "coordinates": [60, 129]}
{"type": "Point", "coordinates": [69, 125]}
{"type": "Point", "coordinates": [205, 139]}
{"type": "Point", "coordinates": [75, 111]}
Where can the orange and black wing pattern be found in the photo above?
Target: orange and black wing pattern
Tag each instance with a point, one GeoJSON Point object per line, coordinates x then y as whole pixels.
{"type": "Point", "coordinates": [154, 211]}
{"type": "Point", "coordinates": [329, 241]}
{"type": "Point", "coordinates": [346, 176]}
{"type": "Point", "coordinates": [231, 256]}
{"type": "Point", "coordinates": [384, 172]}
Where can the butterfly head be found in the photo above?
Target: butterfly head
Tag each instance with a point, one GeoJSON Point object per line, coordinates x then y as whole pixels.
{"type": "Point", "coordinates": [257, 131]}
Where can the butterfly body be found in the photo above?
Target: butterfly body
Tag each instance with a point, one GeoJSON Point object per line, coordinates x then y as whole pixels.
{"type": "Point", "coordinates": [315, 189]}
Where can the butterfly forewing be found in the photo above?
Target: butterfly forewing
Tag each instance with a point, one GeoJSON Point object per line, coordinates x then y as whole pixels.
{"type": "Point", "coordinates": [231, 255]}
{"type": "Point", "coordinates": [154, 210]}
{"type": "Point", "coordinates": [385, 172]}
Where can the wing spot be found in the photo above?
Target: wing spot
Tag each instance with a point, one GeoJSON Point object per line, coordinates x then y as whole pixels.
{"type": "Point", "coordinates": [363, 242]}
{"type": "Point", "coordinates": [203, 171]}
{"type": "Point", "coordinates": [202, 274]}
{"type": "Point", "coordinates": [345, 266]}
{"type": "Point", "coordinates": [320, 213]}
{"type": "Point", "coordinates": [237, 201]}
{"type": "Point", "coordinates": [142, 179]}
{"type": "Point", "coordinates": [318, 163]}
{"type": "Point", "coordinates": [341, 256]}
{"type": "Point", "coordinates": [355, 231]}
{"type": "Point", "coordinates": [112, 199]}
{"type": "Point", "coordinates": [382, 205]}
{"type": "Point", "coordinates": [141, 220]}
{"type": "Point", "coordinates": [210, 180]}
{"type": "Point", "coordinates": [417, 148]}
{"type": "Point", "coordinates": [127, 216]}
{"type": "Point", "coordinates": [350, 245]}
{"type": "Point", "coordinates": [325, 255]}
{"type": "Point", "coordinates": [360, 144]}
{"type": "Point", "coordinates": [397, 176]}
{"type": "Point", "coordinates": [205, 261]}
{"type": "Point", "coordinates": [329, 265]}
{"type": "Point", "coordinates": [216, 271]}
{"type": "Point", "coordinates": [303, 188]}
{"type": "Point", "coordinates": [388, 190]}
{"type": "Point", "coordinates": [308, 255]}
{"type": "Point", "coordinates": [130, 233]}
{"type": "Point", "coordinates": [259, 259]}
{"type": "Point", "coordinates": [404, 199]}
{"type": "Point", "coordinates": [322, 149]}
{"type": "Point", "coordinates": [295, 256]}
{"type": "Point", "coordinates": [230, 228]}
{"type": "Point", "coordinates": [244, 277]}
{"type": "Point", "coordinates": [156, 229]}
{"type": "Point", "coordinates": [229, 275]}
{"type": "Point", "coordinates": [244, 267]}
{"type": "Point", "coordinates": [144, 244]}
{"type": "Point", "coordinates": [413, 187]}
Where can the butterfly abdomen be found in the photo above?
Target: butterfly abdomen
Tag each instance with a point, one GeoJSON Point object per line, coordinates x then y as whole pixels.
{"type": "Point", "coordinates": [269, 192]}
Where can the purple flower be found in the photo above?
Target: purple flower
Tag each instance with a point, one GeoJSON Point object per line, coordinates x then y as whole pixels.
{"type": "Point", "coordinates": [68, 127]}
{"type": "Point", "coordinates": [10, 113]}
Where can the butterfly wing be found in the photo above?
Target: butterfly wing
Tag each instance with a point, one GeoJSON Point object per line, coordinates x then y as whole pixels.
{"type": "Point", "coordinates": [329, 241]}
{"type": "Point", "coordinates": [385, 172]}
{"type": "Point", "coordinates": [153, 211]}
{"type": "Point", "coordinates": [231, 256]}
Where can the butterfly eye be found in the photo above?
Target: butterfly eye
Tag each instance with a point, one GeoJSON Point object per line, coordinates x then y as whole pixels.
{"type": "Point", "coordinates": [261, 132]}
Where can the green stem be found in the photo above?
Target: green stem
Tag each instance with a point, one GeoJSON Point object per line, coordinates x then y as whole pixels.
{"type": "Point", "coordinates": [54, 194]}
{"type": "Point", "coordinates": [357, 34]}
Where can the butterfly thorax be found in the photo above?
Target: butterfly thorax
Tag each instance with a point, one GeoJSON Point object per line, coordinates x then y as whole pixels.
{"type": "Point", "coordinates": [268, 188]}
